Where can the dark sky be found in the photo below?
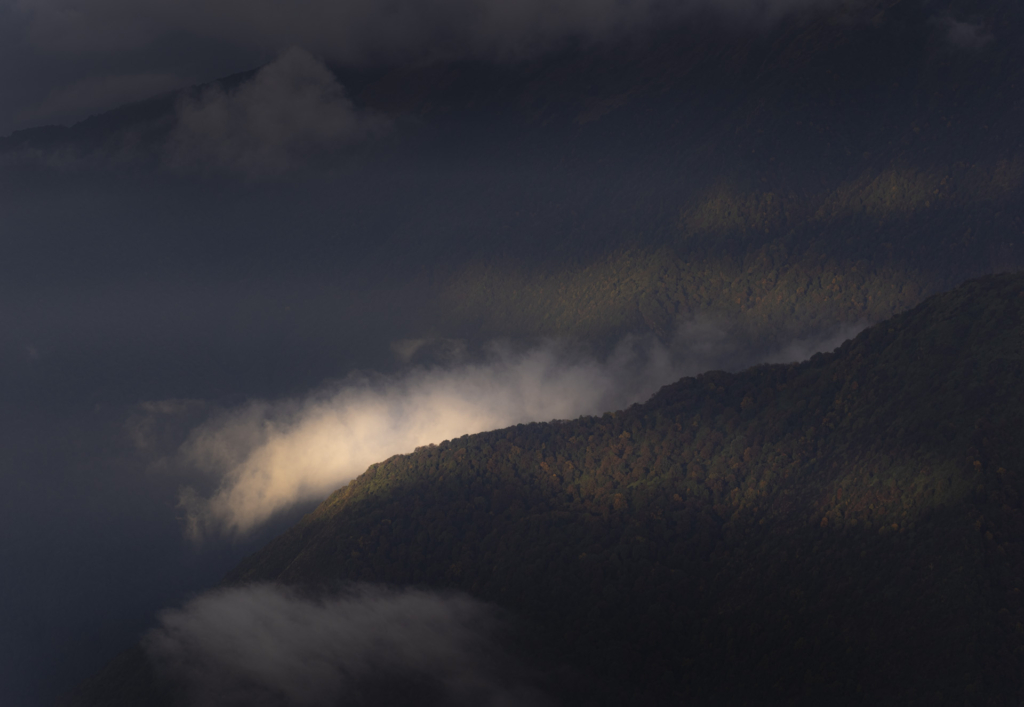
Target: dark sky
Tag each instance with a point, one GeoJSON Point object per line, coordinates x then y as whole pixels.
{"type": "Point", "coordinates": [204, 334]}
{"type": "Point", "coordinates": [62, 60]}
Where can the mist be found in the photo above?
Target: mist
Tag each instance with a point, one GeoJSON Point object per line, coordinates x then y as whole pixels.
{"type": "Point", "coordinates": [292, 108]}
{"type": "Point", "coordinates": [265, 457]}
{"type": "Point", "coordinates": [265, 645]}
{"type": "Point", "coordinates": [270, 456]}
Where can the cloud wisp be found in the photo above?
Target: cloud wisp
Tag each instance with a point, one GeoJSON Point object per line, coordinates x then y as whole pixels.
{"type": "Point", "coordinates": [292, 108]}
{"type": "Point", "coordinates": [269, 456]}
{"type": "Point", "coordinates": [264, 457]}
{"type": "Point", "coordinates": [265, 645]}
{"type": "Point", "coordinates": [802, 349]}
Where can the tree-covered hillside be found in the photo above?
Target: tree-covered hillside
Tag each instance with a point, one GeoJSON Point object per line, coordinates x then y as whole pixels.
{"type": "Point", "coordinates": [848, 530]}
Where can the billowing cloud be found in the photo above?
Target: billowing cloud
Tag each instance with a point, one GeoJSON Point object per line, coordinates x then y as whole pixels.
{"type": "Point", "coordinates": [292, 108]}
{"type": "Point", "coordinates": [369, 30]}
{"type": "Point", "coordinates": [264, 646]}
{"type": "Point", "coordinates": [264, 457]}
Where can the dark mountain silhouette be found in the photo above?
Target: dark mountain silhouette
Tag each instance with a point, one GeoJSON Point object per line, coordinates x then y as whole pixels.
{"type": "Point", "coordinates": [842, 531]}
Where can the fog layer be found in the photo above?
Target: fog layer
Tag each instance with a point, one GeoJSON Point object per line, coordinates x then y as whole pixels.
{"type": "Point", "coordinates": [265, 645]}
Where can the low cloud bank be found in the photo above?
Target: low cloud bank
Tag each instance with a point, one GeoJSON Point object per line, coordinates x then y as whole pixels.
{"type": "Point", "coordinates": [264, 645]}
{"type": "Point", "coordinates": [292, 108]}
{"type": "Point", "coordinates": [264, 457]}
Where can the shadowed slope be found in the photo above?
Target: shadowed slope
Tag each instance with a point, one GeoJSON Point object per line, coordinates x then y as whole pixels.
{"type": "Point", "coordinates": [847, 529]}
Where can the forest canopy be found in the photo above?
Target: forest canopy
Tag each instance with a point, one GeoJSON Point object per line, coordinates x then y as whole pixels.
{"type": "Point", "coordinates": [843, 530]}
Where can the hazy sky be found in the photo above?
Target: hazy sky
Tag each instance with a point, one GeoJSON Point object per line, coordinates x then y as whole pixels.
{"type": "Point", "coordinates": [65, 59]}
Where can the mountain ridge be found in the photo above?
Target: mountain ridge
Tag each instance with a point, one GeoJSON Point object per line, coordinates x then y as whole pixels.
{"type": "Point", "coordinates": [847, 529]}
{"type": "Point", "coordinates": [912, 459]}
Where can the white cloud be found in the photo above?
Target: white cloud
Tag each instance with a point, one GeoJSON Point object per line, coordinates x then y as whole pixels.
{"type": "Point", "coordinates": [292, 108]}
{"type": "Point", "coordinates": [265, 457]}
{"type": "Point", "coordinates": [264, 645]}
{"type": "Point", "coordinates": [270, 456]}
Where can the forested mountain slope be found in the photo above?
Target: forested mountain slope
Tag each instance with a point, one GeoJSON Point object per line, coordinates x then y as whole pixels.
{"type": "Point", "coordinates": [847, 530]}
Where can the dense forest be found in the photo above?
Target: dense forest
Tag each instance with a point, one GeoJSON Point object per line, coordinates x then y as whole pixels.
{"type": "Point", "coordinates": [841, 531]}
